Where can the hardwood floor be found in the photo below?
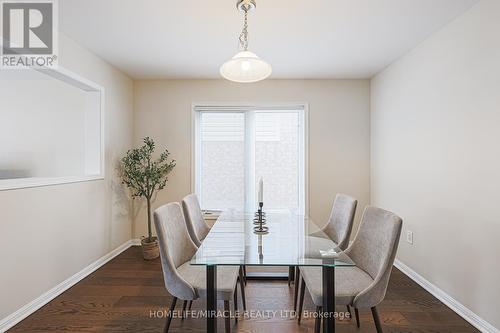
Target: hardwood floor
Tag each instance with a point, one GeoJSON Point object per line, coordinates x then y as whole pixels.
{"type": "Point", "coordinates": [127, 293]}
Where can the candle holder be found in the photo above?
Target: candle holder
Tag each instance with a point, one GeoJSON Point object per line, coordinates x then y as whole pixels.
{"type": "Point", "coordinates": [259, 221]}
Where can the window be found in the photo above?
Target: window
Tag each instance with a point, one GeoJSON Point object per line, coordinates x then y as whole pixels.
{"type": "Point", "coordinates": [235, 146]}
{"type": "Point", "coordinates": [50, 128]}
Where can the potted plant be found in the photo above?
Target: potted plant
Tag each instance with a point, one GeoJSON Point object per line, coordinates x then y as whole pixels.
{"type": "Point", "coordinates": [144, 176]}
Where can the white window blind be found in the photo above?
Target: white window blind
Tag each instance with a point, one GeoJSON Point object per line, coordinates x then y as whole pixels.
{"type": "Point", "coordinates": [235, 146]}
{"type": "Point", "coordinates": [222, 160]}
{"type": "Point", "coordinates": [223, 127]}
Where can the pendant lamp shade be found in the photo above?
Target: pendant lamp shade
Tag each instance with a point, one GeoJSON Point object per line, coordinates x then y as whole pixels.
{"type": "Point", "coordinates": [245, 67]}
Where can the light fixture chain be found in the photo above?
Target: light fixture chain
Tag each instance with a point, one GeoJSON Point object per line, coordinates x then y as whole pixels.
{"type": "Point", "coordinates": [244, 33]}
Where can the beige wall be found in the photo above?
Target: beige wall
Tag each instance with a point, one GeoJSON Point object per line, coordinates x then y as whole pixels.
{"type": "Point", "coordinates": [436, 156]}
{"type": "Point", "coordinates": [50, 233]}
{"type": "Point", "coordinates": [339, 118]}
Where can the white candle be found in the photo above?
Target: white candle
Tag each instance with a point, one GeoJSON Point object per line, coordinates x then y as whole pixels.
{"type": "Point", "coordinates": [261, 190]}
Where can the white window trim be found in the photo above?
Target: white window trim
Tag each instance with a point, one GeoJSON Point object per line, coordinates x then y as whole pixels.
{"type": "Point", "coordinates": [232, 107]}
{"type": "Point", "coordinates": [73, 79]}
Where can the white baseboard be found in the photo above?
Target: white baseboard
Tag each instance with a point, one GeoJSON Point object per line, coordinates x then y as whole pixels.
{"type": "Point", "coordinates": [135, 242]}
{"type": "Point", "coordinates": [449, 301]}
{"type": "Point", "coordinates": [25, 311]}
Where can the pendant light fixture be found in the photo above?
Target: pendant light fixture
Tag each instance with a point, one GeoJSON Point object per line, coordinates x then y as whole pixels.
{"type": "Point", "coordinates": [245, 66]}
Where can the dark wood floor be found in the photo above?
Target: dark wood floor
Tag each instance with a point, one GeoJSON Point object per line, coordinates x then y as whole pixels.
{"type": "Point", "coordinates": [120, 296]}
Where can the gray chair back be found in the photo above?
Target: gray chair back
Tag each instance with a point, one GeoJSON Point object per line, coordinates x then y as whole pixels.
{"type": "Point", "coordinates": [196, 225]}
{"type": "Point", "coordinates": [373, 250]}
{"type": "Point", "coordinates": [341, 219]}
{"type": "Point", "coordinates": [176, 248]}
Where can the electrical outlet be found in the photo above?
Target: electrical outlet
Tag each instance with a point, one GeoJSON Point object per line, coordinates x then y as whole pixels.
{"type": "Point", "coordinates": [409, 236]}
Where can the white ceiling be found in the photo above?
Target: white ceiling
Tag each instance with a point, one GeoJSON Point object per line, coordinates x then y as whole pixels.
{"type": "Point", "coordinates": [301, 39]}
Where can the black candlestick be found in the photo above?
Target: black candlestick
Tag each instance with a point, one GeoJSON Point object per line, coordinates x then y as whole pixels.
{"type": "Point", "coordinates": [259, 221]}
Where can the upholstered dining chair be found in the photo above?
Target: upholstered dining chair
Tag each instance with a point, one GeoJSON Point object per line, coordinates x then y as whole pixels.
{"type": "Point", "coordinates": [338, 229]}
{"type": "Point", "coordinates": [182, 280]}
{"type": "Point", "coordinates": [362, 286]}
{"type": "Point", "coordinates": [198, 229]}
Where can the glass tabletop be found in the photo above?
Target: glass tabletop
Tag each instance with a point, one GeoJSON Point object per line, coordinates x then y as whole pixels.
{"type": "Point", "coordinates": [291, 240]}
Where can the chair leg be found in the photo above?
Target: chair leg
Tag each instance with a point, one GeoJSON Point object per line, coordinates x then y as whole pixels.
{"type": "Point", "coordinates": [376, 319]}
{"type": "Point", "coordinates": [169, 315]}
{"type": "Point", "coordinates": [184, 305]}
{"type": "Point", "coordinates": [190, 305]}
{"type": "Point", "coordinates": [290, 275]}
{"type": "Point", "coordinates": [317, 321]}
{"type": "Point", "coordinates": [356, 312]}
{"type": "Point", "coordinates": [245, 274]}
{"type": "Point", "coordinates": [227, 317]}
{"type": "Point", "coordinates": [301, 301]}
{"type": "Point", "coordinates": [236, 304]}
{"type": "Point", "coordinates": [296, 294]}
{"type": "Point", "coordinates": [242, 287]}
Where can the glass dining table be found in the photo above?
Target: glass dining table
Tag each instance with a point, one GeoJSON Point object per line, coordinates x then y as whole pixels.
{"type": "Point", "coordinates": [290, 240]}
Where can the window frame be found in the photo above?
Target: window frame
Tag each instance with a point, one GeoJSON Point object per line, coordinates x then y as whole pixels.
{"type": "Point", "coordinates": [71, 78]}
{"type": "Point", "coordinates": [301, 107]}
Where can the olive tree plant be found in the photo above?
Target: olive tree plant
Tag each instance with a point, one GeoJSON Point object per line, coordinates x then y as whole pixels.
{"type": "Point", "coordinates": [144, 175]}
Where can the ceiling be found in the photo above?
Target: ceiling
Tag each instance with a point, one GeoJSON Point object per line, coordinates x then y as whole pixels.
{"type": "Point", "coordinates": [300, 39]}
